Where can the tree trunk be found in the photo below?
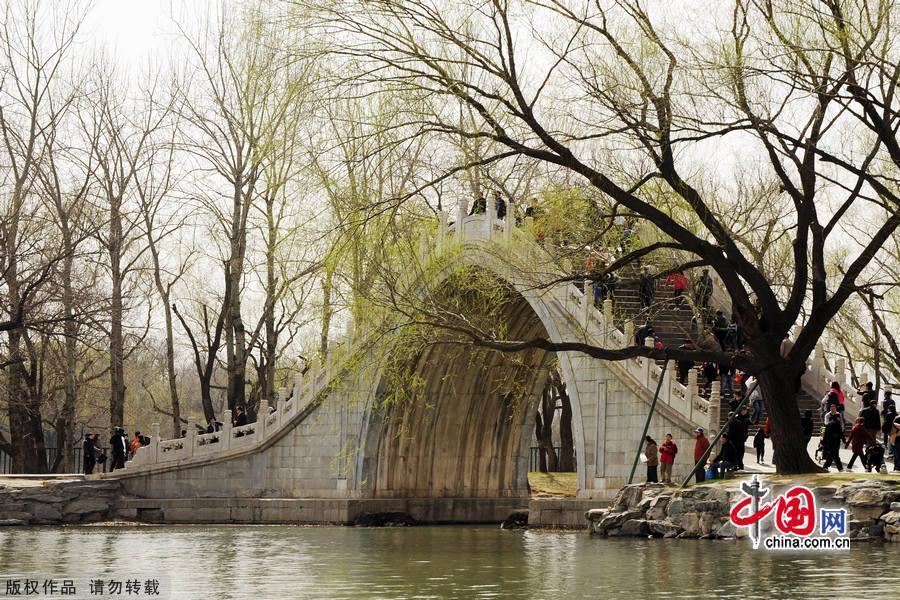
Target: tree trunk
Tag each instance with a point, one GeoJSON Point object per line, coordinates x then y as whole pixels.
{"type": "Point", "coordinates": [170, 369]}
{"type": "Point", "coordinates": [268, 391]}
{"type": "Point", "coordinates": [66, 428]}
{"type": "Point", "coordinates": [326, 309]}
{"type": "Point", "coordinates": [566, 439]}
{"type": "Point", "coordinates": [788, 444]}
{"type": "Point", "coordinates": [116, 338]}
{"type": "Point", "coordinates": [544, 431]}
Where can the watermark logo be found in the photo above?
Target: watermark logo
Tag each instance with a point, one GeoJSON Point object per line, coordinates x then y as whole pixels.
{"type": "Point", "coordinates": [795, 518]}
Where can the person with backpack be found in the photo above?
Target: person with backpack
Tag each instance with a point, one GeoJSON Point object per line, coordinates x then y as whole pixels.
{"type": "Point", "coordinates": [759, 442]}
{"type": "Point", "coordinates": [651, 453]}
{"type": "Point", "coordinates": [667, 454]}
{"type": "Point", "coordinates": [89, 453]}
{"type": "Point", "coordinates": [858, 440]}
{"type": "Point", "coordinates": [871, 421]}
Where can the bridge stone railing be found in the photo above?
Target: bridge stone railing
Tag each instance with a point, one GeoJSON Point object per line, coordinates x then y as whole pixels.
{"type": "Point", "coordinates": [472, 231]}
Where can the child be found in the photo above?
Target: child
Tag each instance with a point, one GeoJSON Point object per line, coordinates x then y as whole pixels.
{"type": "Point", "coordinates": [759, 442]}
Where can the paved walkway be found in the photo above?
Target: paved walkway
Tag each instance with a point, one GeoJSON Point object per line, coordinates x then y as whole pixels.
{"type": "Point", "coordinates": [767, 466]}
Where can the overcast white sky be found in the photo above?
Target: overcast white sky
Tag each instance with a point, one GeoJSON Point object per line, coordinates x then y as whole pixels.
{"type": "Point", "coordinates": [138, 30]}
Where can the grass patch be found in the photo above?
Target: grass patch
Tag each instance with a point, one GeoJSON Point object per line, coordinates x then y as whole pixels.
{"type": "Point", "coordinates": [553, 485]}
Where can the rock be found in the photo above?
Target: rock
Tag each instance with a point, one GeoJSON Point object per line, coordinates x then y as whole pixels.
{"type": "Point", "coordinates": [636, 528]}
{"type": "Point", "coordinates": [664, 529]}
{"type": "Point", "coordinates": [690, 522]}
{"type": "Point", "coordinates": [657, 508]}
{"type": "Point", "coordinates": [728, 530]}
{"type": "Point", "coordinates": [44, 512]}
{"type": "Point", "coordinates": [891, 518]}
{"type": "Point", "coordinates": [83, 505]}
{"type": "Point", "coordinates": [596, 514]}
{"type": "Point", "coordinates": [615, 520]}
{"type": "Point", "coordinates": [895, 506]}
{"type": "Point", "coordinates": [12, 522]}
{"type": "Point", "coordinates": [629, 497]}
{"type": "Point", "coordinates": [517, 520]}
{"type": "Point", "coordinates": [385, 519]}
{"type": "Point", "coordinates": [41, 496]}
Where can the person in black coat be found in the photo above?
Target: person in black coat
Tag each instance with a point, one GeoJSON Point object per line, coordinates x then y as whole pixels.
{"type": "Point", "coordinates": [871, 420]}
{"type": "Point", "coordinates": [89, 453]}
{"type": "Point", "coordinates": [726, 459]}
{"type": "Point", "coordinates": [479, 207]}
{"type": "Point", "coordinates": [119, 448]}
{"type": "Point", "coordinates": [738, 434]}
{"type": "Point", "coordinates": [832, 438]}
{"type": "Point", "coordinates": [499, 206]}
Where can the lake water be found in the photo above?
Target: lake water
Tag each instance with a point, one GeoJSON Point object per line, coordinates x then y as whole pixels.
{"type": "Point", "coordinates": [263, 562]}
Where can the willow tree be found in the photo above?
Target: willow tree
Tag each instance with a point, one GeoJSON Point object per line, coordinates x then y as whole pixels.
{"type": "Point", "coordinates": [667, 121]}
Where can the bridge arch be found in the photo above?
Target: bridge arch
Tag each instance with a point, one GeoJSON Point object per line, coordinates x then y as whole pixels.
{"type": "Point", "coordinates": [468, 430]}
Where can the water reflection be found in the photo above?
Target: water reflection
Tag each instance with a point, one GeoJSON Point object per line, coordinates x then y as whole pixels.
{"type": "Point", "coordinates": [438, 562]}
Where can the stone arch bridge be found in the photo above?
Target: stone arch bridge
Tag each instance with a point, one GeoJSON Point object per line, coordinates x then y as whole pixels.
{"type": "Point", "coordinates": [460, 452]}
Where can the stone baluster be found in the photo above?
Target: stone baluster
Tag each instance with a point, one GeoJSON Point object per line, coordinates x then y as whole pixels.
{"type": "Point", "coordinates": [608, 323]}
{"type": "Point", "coordinates": [298, 390]}
{"type": "Point", "coordinates": [462, 211]}
{"type": "Point", "coordinates": [587, 302]}
{"type": "Point", "coordinates": [225, 438]}
{"type": "Point", "coordinates": [863, 379]}
{"type": "Point", "coordinates": [442, 230]}
{"type": "Point", "coordinates": [715, 405]}
{"type": "Point", "coordinates": [666, 391]}
{"type": "Point", "coordinates": [691, 393]}
{"type": "Point", "coordinates": [819, 362]}
{"type": "Point", "coordinates": [261, 413]}
{"type": "Point", "coordinates": [281, 409]}
{"type": "Point", "coordinates": [190, 441]}
{"type": "Point", "coordinates": [629, 328]}
{"type": "Point", "coordinates": [840, 370]}
{"type": "Point", "coordinates": [153, 449]}
{"type": "Point", "coordinates": [510, 221]}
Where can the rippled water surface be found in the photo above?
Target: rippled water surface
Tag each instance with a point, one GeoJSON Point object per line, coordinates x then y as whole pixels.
{"type": "Point", "coordinates": [437, 562]}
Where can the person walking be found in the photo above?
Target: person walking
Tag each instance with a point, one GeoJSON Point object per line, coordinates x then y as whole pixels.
{"type": "Point", "coordinates": [756, 403]}
{"type": "Point", "coordinates": [667, 454]}
{"type": "Point", "coordinates": [645, 289]}
{"type": "Point", "coordinates": [871, 421]}
{"type": "Point", "coordinates": [832, 438]}
{"type": "Point", "coordinates": [858, 440]}
{"type": "Point", "coordinates": [834, 415]}
{"type": "Point", "coordinates": [700, 446]}
{"type": "Point", "coordinates": [89, 453]}
{"type": "Point", "coordinates": [894, 440]}
{"type": "Point", "coordinates": [759, 442]}
{"type": "Point", "coordinates": [651, 453]}
{"type": "Point", "coordinates": [888, 401]}
{"type": "Point", "coordinates": [888, 415]}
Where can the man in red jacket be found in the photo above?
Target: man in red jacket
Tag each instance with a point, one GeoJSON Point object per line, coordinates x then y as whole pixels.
{"type": "Point", "coordinates": [700, 447]}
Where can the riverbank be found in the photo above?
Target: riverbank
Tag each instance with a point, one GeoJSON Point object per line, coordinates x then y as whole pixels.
{"type": "Point", "coordinates": [654, 510]}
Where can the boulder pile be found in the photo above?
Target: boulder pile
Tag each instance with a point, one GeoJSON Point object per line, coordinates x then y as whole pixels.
{"type": "Point", "coordinates": [654, 510]}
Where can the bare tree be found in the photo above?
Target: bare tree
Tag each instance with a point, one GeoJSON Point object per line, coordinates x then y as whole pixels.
{"type": "Point", "coordinates": [609, 94]}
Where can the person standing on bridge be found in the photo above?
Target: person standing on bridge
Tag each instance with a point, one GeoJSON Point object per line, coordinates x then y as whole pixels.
{"type": "Point", "coordinates": [119, 447]}
{"type": "Point", "coordinates": [887, 423]}
{"type": "Point", "coordinates": [651, 453]}
{"type": "Point", "coordinates": [700, 448]}
{"type": "Point", "coordinates": [871, 421]}
{"type": "Point", "coordinates": [89, 453]}
{"type": "Point", "coordinates": [499, 205]}
{"type": "Point", "coordinates": [667, 454]}
{"type": "Point", "coordinates": [479, 207]}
